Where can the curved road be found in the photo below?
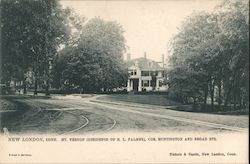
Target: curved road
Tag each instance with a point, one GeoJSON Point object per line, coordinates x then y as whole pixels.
{"type": "Point", "coordinates": [64, 115]}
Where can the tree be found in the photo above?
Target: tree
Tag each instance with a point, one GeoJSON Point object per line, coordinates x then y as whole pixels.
{"type": "Point", "coordinates": [192, 63]}
{"type": "Point", "coordinates": [95, 61]}
{"type": "Point", "coordinates": [32, 32]}
{"type": "Point", "coordinates": [234, 24]}
{"type": "Point", "coordinates": [210, 54]}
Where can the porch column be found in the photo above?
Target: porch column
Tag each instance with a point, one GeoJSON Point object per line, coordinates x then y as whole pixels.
{"type": "Point", "coordinates": [139, 86]}
{"type": "Point", "coordinates": [128, 85]}
{"type": "Point", "coordinates": [157, 83]}
{"type": "Point", "coordinates": [131, 85]}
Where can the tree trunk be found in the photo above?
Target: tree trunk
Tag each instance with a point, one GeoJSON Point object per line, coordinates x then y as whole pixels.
{"type": "Point", "coordinates": [47, 93]}
{"type": "Point", "coordinates": [234, 101]}
{"type": "Point", "coordinates": [212, 93]}
{"type": "Point", "coordinates": [220, 98]}
{"type": "Point", "coordinates": [205, 97]}
{"type": "Point", "coordinates": [227, 96]}
{"type": "Point", "coordinates": [47, 88]}
{"type": "Point", "coordinates": [240, 100]}
{"type": "Point", "coordinates": [35, 89]}
{"type": "Point", "coordinates": [24, 86]}
{"type": "Point", "coordinates": [15, 85]}
{"type": "Point", "coordinates": [47, 51]}
{"type": "Point", "coordinates": [35, 69]}
{"type": "Point", "coordinates": [194, 103]}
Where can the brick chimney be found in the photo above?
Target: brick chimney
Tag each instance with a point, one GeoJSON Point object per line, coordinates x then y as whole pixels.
{"type": "Point", "coordinates": [163, 59]}
{"type": "Point", "coordinates": [145, 55]}
{"type": "Point", "coordinates": [128, 56]}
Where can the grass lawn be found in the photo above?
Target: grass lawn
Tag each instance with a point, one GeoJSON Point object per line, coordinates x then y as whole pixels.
{"type": "Point", "coordinates": [161, 100]}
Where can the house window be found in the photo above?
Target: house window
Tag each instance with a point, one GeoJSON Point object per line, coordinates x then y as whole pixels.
{"type": "Point", "coordinates": [132, 72]}
{"type": "Point", "coordinates": [145, 83]}
{"type": "Point", "coordinates": [160, 83]}
{"type": "Point", "coordinates": [145, 73]}
{"type": "Point", "coordinates": [153, 73]}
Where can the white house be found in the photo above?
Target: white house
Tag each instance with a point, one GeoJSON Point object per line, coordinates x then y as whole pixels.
{"type": "Point", "coordinates": [145, 75]}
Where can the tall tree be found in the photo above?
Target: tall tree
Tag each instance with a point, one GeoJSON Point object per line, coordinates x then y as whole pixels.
{"type": "Point", "coordinates": [95, 62]}
{"type": "Point", "coordinates": [213, 48]}
{"type": "Point", "coordinates": [31, 34]}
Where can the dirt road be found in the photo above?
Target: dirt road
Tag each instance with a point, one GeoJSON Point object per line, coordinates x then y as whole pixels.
{"type": "Point", "coordinates": [62, 115]}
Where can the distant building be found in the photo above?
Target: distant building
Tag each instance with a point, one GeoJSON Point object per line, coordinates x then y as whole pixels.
{"type": "Point", "coordinates": [146, 75]}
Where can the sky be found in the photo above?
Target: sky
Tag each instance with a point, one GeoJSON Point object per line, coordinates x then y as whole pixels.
{"type": "Point", "coordinates": [149, 25]}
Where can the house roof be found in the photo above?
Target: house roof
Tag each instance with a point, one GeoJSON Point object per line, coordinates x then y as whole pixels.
{"type": "Point", "coordinates": [144, 64]}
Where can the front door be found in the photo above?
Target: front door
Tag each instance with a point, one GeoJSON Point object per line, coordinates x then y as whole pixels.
{"type": "Point", "coordinates": [135, 84]}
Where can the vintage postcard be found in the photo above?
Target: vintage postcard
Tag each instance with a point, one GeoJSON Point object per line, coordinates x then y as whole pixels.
{"type": "Point", "coordinates": [124, 81]}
